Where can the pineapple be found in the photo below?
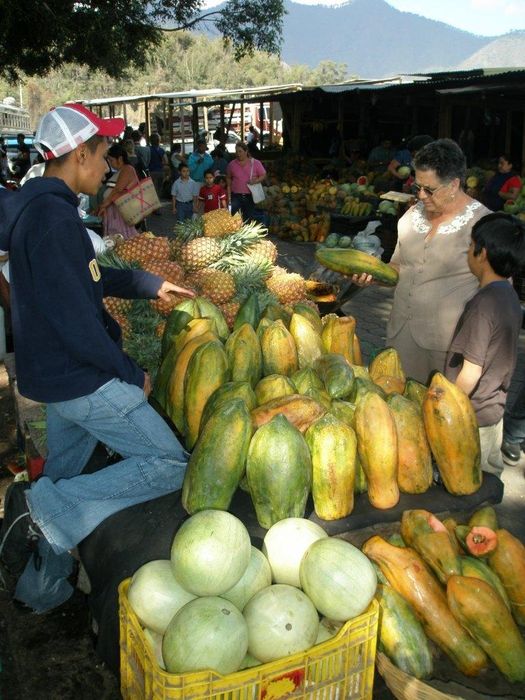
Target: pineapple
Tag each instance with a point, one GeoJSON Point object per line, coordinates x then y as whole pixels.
{"type": "Point", "coordinates": [184, 232]}
{"type": "Point", "coordinates": [164, 308]}
{"type": "Point", "coordinates": [117, 307]}
{"type": "Point", "coordinates": [289, 288]}
{"type": "Point", "coordinates": [215, 285]}
{"type": "Point", "coordinates": [168, 270]}
{"type": "Point", "coordinates": [143, 248]}
{"type": "Point", "coordinates": [230, 310]}
{"type": "Point", "coordinates": [220, 222]}
{"type": "Point", "coordinates": [205, 251]}
{"type": "Point", "coordinates": [263, 250]}
{"type": "Point", "coordinates": [250, 276]}
{"type": "Point", "coordinates": [160, 328]}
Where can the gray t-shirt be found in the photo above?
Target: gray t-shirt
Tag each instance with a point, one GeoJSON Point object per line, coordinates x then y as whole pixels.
{"type": "Point", "coordinates": [487, 335]}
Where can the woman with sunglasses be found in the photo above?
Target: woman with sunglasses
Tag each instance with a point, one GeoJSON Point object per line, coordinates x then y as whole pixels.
{"type": "Point", "coordinates": [431, 257]}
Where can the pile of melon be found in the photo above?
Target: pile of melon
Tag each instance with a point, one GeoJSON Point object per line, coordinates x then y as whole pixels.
{"type": "Point", "coordinates": [221, 604]}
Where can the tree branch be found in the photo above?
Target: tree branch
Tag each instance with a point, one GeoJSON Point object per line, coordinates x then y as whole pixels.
{"type": "Point", "coordinates": [191, 23]}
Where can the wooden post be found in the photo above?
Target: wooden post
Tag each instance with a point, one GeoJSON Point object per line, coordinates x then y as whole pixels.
{"type": "Point", "coordinates": [508, 130]}
{"type": "Point", "coordinates": [125, 112]}
{"type": "Point", "coordinates": [242, 118]}
{"type": "Point", "coordinates": [195, 120]}
{"type": "Point", "coordinates": [146, 119]}
{"type": "Point", "coordinates": [261, 124]}
{"type": "Point", "coordinates": [444, 118]}
{"type": "Point", "coordinates": [296, 126]}
{"type": "Point", "coordinates": [170, 119]}
{"type": "Point", "coordinates": [270, 126]}
{"type": "Point", "coordinates": [223, 125]}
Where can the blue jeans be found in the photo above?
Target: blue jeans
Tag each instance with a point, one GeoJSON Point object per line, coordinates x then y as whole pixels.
{"type": "Point", "coordinates": [244, 204]}
{"type": "Point", "coordinates": [184, 210]}
{"type": "Point", "coordinates": [514, 420]}
{"type": "Point", "coordinates": [68, 505]}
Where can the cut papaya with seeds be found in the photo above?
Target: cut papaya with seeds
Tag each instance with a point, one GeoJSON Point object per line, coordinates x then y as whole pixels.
{"type": "Point", "coordinates": [480, 541]}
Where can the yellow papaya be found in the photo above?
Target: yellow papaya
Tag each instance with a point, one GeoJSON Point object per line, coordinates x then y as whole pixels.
{"type": "Point", "coordinates": [311, 314]}
{"type": "Point", "coordinates": [358, 356]}
{"type": "Point", "coordinates": [301, 411]}
{"type": "Point", "coordinates": [415, 391]}
{"type": "Point", "coordinates": [390, 385]}
{"type": "Point", "coordinates": [453, 435]}
{"type": "Point", "coordinates": [207, 370]}
{"type": "Point", "coordinates": [338, 336]}
{"type": "Point", "coordinates": [279, 352]}
{"type": "Point", "coordinates": [508, 562]}
{"type": "Point", "coordinates": [273, 387]}
{"type": "Point", "coordinates": [333, 447]}
{"type": "Point", "coordinates": [430, 538]}
{"type": "Point", "coordinates": [377, 447]}
{"type": "Point", "coordinates": [386, 362]}
{"type": "Point", "coordinates": [305, 379]}
{"type": "Point", "coordinates": [307, 340]}
{"type": "Point", "coordinates": [243, 351]}
{"type": "Point", "coordinates": [344, 410]}
{"type": "Point", "coordinates": [414, 461]}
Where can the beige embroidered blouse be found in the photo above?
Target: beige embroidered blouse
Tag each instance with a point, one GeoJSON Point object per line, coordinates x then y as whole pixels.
{"type": "Point", "coordinates": [434, 279]}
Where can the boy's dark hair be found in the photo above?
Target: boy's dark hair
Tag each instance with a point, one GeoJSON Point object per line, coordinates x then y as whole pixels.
{"type": "Point", "coordinates": [117, 150]}
{"type": "Point", "coordinates": [445, 158]}
{"type": "Point", "coordinates": [183, 165]}
{"type": "Point", "coordinates": [92, 145]}
{"type": "Point", "coordinates": [503, 237]}
{"type": "Point", "coordinates": [209, 172]}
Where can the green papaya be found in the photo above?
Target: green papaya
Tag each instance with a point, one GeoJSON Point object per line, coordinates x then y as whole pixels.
{"type": "Point", "coordinates": [244, 355]}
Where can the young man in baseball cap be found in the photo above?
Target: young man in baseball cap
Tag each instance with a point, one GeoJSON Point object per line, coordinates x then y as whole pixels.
{"type": "Point", "coordinates": [69, 356]}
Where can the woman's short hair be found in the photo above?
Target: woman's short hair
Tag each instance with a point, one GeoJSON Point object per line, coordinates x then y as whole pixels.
{"type": "Point", "coordinates": [445, 158]}
{"type": "Point", "coordinates": [117, 150]}
{"type": "Point", "coordinates": [242, 145]}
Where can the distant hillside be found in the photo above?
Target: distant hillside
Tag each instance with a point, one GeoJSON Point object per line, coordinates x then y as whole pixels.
{"type": "Point", "coordinates": [374, 39]}
{"type": "Point", "coordinates": [508, 51]}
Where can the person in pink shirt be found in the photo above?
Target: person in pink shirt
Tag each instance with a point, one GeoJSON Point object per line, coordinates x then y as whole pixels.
{"type": "Point", "coordinates": [241, 172]}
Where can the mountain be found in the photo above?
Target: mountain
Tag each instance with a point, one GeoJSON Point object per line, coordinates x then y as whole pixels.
{"type": "Point", "coordinates": [374, 39]}
{"type": "Point", "coordinates": [507, 50]}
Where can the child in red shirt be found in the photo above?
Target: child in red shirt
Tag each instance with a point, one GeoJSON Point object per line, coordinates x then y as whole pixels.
{"type": "Point", "coordinates": [211, 195]}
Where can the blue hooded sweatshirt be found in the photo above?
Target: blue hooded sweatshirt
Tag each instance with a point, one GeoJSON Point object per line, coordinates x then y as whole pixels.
{"type": "Point", "coordinates": [66, 344]}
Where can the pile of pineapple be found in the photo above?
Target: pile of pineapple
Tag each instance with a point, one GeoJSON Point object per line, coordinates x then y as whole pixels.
{"type": "Point", "coordinates": [219, 256]}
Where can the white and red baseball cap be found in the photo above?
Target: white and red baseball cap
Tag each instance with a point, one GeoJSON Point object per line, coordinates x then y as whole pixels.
{"type": "Point", "coordinates": [64, 128]}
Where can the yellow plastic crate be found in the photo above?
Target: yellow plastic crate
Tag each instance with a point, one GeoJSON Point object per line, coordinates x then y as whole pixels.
{"type": "Point", "coordinates": [341, 668]}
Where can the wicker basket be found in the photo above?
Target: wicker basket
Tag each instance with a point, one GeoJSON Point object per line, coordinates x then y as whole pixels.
{"type": "Point", "coordinates": [406, 687]}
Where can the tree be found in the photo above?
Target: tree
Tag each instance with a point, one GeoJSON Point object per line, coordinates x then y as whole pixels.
{"type": "Point", "coordinates": [117, 35]}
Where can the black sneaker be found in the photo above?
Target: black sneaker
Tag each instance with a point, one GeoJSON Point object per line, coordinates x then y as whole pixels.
{"type": "Point", "coordinates": [511, 452]}
{"type": "Point", "coordinates": [19, 535]}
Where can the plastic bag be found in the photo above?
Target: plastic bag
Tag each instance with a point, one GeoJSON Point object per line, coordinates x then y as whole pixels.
{"type": "Point", "coordinates": [367, 241]}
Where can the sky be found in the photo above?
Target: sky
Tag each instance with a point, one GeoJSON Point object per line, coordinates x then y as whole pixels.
{"type": "Point", "coordinates": [484, 17]}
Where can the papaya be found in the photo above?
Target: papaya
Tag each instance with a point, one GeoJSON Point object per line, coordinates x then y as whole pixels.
{"type": "Point", "coordinates": [401, 636]}
{"type": "Point", "coordinates": [310, 314]}
{"type": "Point", "coordinates": [414, 461]}
{"type": "Point", "coordinates": [361, 372]}
{"type": "Point", "coordinates": [453, 435]}
{"type": "Point", "coordinates": [344, 410]}
{"type": "Point", "coordinates": [336, 374]}
{"type": "Point", "coordinates": [321, 396]}
{"type": "Point", "coordinates": [226, 392]}
{"type": "Point", "coordinates": [175, 392]}
{"type": "Point", "coordinates": [408, 574]}
{"type": "Point", "coordinates": [278, 471]}
{"type": "Point", "coordinates": [305, 379]}
{"type": "Point", "coordinates": [396, 539]}
{"type": "Point", "coordinates": [476, 568]}
{"type": "Point", "coordinates": [390, 385]}
{"type": "Point", "coordinates": [276, 312]}
{"type": "Point", "coordinates": [195, 327]}
{"type": "Point", "coordinates": [279, 353]}
{"type": "Point", "coordinates": [263, 324]}
{"type": "Point", "coordinates": [350, 261]}
{"type": "Point", "coordinates": [388, 363]}
{"type": "Point", "coordinates": [484, 517]}
{"type": "Point", "coordinates": [508, 562]}
{"type": "Point", "coordinates": [361, 484]}
{"type": "Point", "coordinates": [451, 526]}
{"type": "Point", "coordinates": [249, 312]}
{"type": "Point", "coordinates": [364, 386]}
{"type": "Point", "coordinates": [160, 387]}
{"type": "Point", "coordinates": [208, 309]}
{"type": "Point", "coordinates": [420, 530]}
{"type": "Point", "coordinates": [377, 448]}
{"type": "Point", "coordinates": [273, 387]}
{"type": "Point", "coordinates": [207, 370]}
{"type": "Point", "coordinates": [190, 306]}
{"type": "Point", "coordinates": [300, 410]}
{"type": "Point", "coordinates": [358, 356]}
{"type": "Point", "coordinates": [480, 541]}
{"type": "Point", "coordinates": [333, 447]}
{"type": "Point", "coordinates": [217, 465]}
{"type": "Point", "coordinates": [243, 351]}
{"type": "Point", "coordinates": [175, 322]}
{"type": "Point", "coordinates": [415, 391]}
{"type": "Point", "coordinates": [338, 336]}
{"type": "Point", "coordinates": [307, 340]}
{"type": "Point", "coordinates": [482, 612]}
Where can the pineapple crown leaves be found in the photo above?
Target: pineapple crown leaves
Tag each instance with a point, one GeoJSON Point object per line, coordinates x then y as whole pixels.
{"type": "Point", "coordinates": [188, 230]}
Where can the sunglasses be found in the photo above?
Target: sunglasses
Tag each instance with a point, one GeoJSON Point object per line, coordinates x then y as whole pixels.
{"type": "Point", "coordinates": [429, 191]}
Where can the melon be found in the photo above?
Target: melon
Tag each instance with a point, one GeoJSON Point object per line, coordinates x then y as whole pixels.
{"type": "Point", "coordinates": [210, 552]}
{"type": "Point", "coordinates": [155, 595]}
{"type": "Point", "coordinates": [285, 544]}
{"type": "Point", "coordinates": [281, 621]}
{"type": "Point", "coordinates": [257, 576]}
{"type": "Point", "coordinates": [338, 578]}
{"type": "Point", "coordinates": [154, 639]}
{"type": "Point", "coordinates": [207, 633]}
{"type": "Point", "coordinates": [404, 171]}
